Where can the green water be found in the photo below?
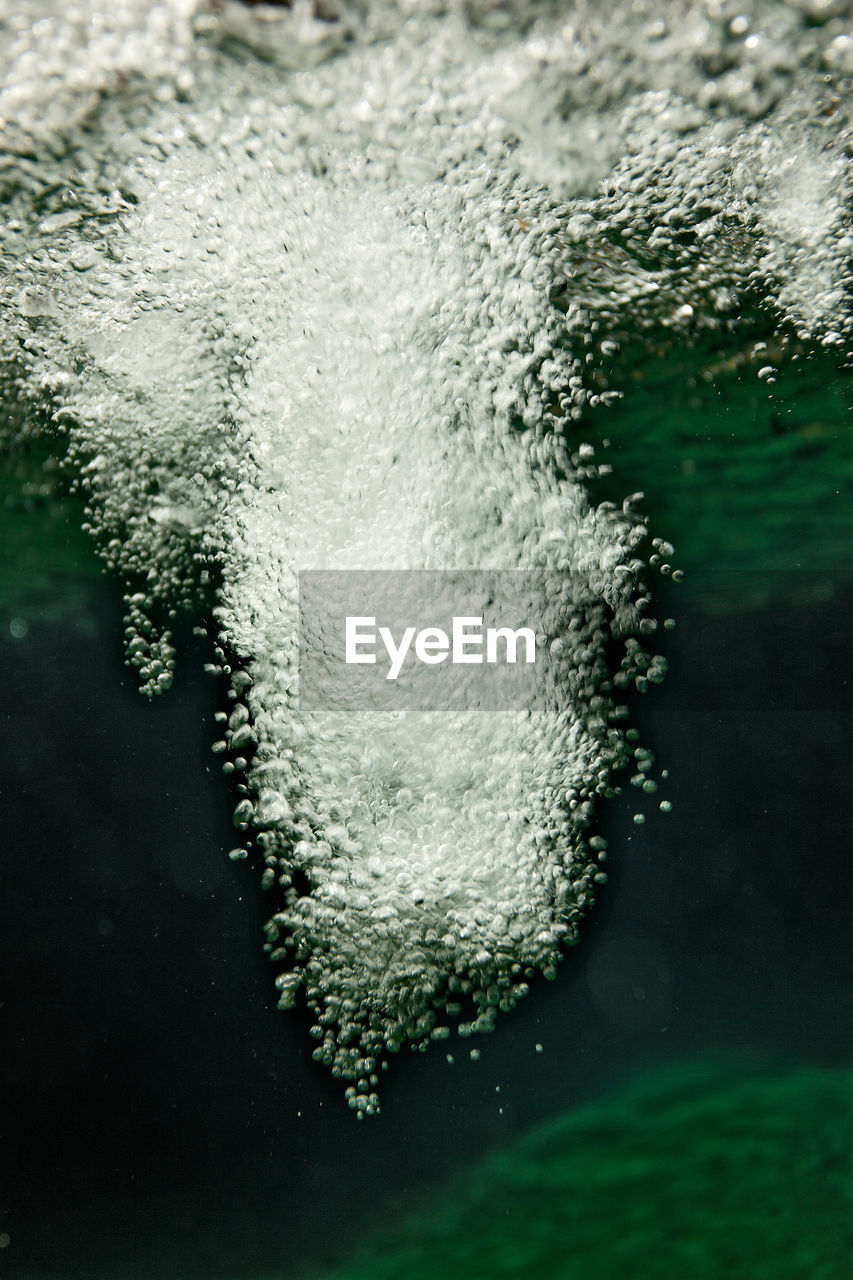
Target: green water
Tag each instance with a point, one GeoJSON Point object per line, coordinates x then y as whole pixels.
{"type": "Point", "coordinates": [694, 1174]}
{"type": "Point", "coordinates": [49, 570]}
{"type": "Point", "coordinates": [751, 482]}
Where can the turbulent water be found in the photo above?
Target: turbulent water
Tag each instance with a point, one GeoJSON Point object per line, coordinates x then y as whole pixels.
{"type": "Point", "coordinates": [335, 287]}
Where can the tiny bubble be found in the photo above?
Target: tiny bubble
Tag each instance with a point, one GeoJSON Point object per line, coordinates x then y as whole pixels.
{"type": "Point", "coordinates": [18, 628]}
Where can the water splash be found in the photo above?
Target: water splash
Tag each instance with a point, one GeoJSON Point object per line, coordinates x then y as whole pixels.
{"type": "Point", "coordinates": [336, 289]}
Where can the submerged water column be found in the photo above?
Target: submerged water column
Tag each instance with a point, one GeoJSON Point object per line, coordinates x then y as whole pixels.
{"type": "Point", "coordinates": [307, 294]}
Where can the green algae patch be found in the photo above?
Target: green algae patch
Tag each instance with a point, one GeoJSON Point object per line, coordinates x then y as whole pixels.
{"type": "Point", "coordinates": [693, 1174]}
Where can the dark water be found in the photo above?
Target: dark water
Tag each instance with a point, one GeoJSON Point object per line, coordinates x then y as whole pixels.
{"type": "Point", "coordinates": [161, 1118]}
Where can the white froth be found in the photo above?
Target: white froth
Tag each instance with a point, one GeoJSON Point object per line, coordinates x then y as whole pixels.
{"type": "Point", "coordinates": [316, 289]}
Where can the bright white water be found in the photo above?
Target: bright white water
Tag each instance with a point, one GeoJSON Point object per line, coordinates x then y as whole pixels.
{"type": "Point", "coordinates": [329, 287]}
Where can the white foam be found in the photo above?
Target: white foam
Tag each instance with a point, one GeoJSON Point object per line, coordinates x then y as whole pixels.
{"type": "Point", "coordinates": [306, 293]}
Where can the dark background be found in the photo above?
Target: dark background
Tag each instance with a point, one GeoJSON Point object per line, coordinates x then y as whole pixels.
{"type": "Point", "coordinates": [158, 1112]}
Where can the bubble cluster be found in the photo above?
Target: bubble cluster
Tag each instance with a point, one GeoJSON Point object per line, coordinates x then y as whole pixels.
{"type": "Point", "coordinates": [337, 288]}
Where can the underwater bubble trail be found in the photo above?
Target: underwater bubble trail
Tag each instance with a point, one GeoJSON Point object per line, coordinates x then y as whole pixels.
{"type": "Point", "coordinates": [340, 294]}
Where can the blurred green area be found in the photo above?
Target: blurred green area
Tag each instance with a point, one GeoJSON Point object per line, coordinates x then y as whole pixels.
{"type": "Point", "coordinates": [49, 570]}
{"type": "Point", "coordinates": [749, 476]}
{"type": "Point", "coordinates": [695, 1174]}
